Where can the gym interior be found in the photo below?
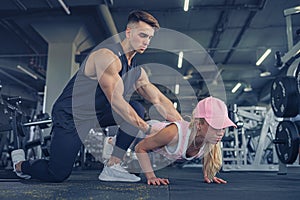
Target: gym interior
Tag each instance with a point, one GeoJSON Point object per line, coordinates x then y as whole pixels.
{"type": "Point", "coordinates": [245, 52]}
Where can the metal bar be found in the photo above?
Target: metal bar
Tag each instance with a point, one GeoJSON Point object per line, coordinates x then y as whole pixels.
{"type": "Point", "coordinates": [289, 31]}
{"type": "Point", "coordinates": [249, 7]}
{"type": "Point", "coordinates": [17, 80]}
{"type": "Point", "coordinates": [260, 6]}
{"type": "Point", "coordinates": [282, 169]}
{"type": "Point", "coordinates": [108, 22]}
{"type": "Point", "coordinates": [264, 167]}
{"type": "Point", "coordinates": [291, 53]}
{"type": "Point", "coordinates": [20, 33]}
{"type": "Point", "coordinates": [250, 115]}
{"type": "Point", "coordinates": [21, 55]}
{"type": "Point", "coordinates": [291, 11]}
{"type": "Point", "coordinates": [232, 149]}
{"type": "Point", "coordinates": [263, 136]}
{"type": "Point", "coordinates": [49, 3]}
{"type": "Point", "coordinates": [37, 123]}
{"type": "Point", "coordinates": [20, 5]}
{"type": "Point", "coordinates": [219, 29]}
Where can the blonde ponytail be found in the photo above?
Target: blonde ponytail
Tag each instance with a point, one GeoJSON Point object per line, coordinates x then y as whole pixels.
{"type": "Point", "coordinates": [212, 161]}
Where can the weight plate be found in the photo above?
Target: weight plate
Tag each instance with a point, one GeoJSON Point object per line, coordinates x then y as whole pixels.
{"type": "Point", "coordinates": [297, 75]}
{"type": "Point", "coordinates": [285, 97]}
{"type": "Point", "coordinates": [287, 145]}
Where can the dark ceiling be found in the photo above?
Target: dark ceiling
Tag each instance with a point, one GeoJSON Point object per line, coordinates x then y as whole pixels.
{"type": "Point", "coordinates": [234, 33]}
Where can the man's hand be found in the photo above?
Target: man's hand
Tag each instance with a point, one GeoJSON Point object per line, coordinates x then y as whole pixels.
{"type": "Point", "coordinates": [158, 181]}
{"type": "Point", "coordinates": [214, 180]}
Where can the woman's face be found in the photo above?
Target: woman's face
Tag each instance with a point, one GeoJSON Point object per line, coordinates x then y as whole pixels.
{"type": "Point", "coordinates": [212, 135]}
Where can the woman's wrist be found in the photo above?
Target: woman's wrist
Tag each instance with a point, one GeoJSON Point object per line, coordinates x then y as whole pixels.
{"type": "Point", "coordinates": [205, 176]}
{"type": "Point", "coordinates": [150, 175]}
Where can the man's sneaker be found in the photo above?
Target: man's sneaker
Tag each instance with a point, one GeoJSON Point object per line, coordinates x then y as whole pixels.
{"type": "Point", "coordinates": [108, 147]}
{"type": "Point", "coordinates": [134, 156]}
{"type": "Point", "coordinates": [117, 173]}
{"type": "Point", "coordinates": [16, 157]}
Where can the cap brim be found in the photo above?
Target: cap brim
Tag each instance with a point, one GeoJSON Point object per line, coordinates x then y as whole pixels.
{"type": "Point", "coordinates": [220, 123]}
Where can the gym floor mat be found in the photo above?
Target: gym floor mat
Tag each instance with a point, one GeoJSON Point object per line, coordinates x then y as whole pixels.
{"type": "Point", "coordinates": [186, 183]}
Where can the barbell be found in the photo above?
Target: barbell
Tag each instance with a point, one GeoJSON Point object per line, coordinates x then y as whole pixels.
{"type": "Point", "coordinates": [20, 124]}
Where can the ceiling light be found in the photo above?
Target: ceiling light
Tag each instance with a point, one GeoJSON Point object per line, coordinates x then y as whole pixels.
{"type": "Point", "coordinates": [62, 3]}
{"type": "Point", "coordinates": [180, 56]}
{"type": "Point", "coordinates": [263, 57]}
{"type": "Point", "coordinates": [236, 87]}
{"type": "Point", "coordinates": [187, 77]}
{"type": "Point", "coordinates": [264, 74]}
{"type": "Point", "coordinates": [176, 89]}
{"type": "Point", "coordinates": [27, 72]}
{"type": "Point", "coordinates": [248, 88]}
{"type": "Point", "coordinates": [186, 5]}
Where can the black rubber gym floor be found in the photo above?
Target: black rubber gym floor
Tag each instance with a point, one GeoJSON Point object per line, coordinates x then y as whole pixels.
{"type": "Point", "coordinates": [185, 184]}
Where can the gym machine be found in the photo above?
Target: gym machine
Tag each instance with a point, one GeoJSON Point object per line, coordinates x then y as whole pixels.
{"type": "Point", "coordinates": [250, 147]}
{"type": "Point", "coordinates": [18, 131]}
{"type": "Point", "coordinates": [285, 100]}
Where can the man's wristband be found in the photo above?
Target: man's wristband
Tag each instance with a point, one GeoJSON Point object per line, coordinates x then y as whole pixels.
{"type": "Point", "coordinates": [148, 130]}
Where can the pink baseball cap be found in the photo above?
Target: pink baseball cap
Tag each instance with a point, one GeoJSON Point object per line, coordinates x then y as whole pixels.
{"type": "Point", "coordinates": [214, 111]}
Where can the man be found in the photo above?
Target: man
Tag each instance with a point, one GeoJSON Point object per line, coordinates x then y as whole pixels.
{"type": "Point", "coordinates": [98, 95]}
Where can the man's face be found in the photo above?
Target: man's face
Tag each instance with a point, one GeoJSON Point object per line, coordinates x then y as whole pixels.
{"type": "Point", "coordinates": [139, 36]}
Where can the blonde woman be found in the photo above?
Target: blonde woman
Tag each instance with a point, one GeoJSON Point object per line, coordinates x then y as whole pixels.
{"type": "Point", "coordinates": [188, 140]}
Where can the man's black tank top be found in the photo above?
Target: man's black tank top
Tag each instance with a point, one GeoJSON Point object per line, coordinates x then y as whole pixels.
{"type": "Point", "coordinates": [83, 99]}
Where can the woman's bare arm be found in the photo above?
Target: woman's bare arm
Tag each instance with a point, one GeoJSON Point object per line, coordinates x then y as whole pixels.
{"type": "Point", "coordinates": [158, 140]}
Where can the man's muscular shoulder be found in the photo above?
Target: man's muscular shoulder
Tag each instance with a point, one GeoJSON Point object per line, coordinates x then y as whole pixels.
{"type": "Point", "coordinates": [101, 60]}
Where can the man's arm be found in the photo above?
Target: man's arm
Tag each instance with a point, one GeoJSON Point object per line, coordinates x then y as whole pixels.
{"type": "Point", "coordinates": [107, 68]}
{"type": "Point", "coordinates": [160, 101]}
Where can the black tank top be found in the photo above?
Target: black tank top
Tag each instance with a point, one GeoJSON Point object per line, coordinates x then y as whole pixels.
{"type": "Point", "coordinates": [83, 99]}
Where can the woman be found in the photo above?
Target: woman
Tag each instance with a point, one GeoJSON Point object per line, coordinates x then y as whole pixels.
{"type": "Point", "coordinates": [199, 138]}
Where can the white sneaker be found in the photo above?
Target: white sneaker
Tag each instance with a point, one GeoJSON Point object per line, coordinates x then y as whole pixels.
{"type": "Point", "coordinates": [134, 156]}
{"type": "Point", "coordinates": [117, 173]}
{"type": "Point", "coordinates": [108, 147]}
{"type": "Point", "coordinates": [16, 157]}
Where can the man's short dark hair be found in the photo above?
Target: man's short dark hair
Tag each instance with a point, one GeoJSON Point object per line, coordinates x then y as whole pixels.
{"type": "Point", "coordinates": [139, 15]}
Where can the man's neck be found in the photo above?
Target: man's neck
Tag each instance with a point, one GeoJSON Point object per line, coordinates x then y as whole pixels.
{"type": "Point", "coordinates": [129, 52]}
